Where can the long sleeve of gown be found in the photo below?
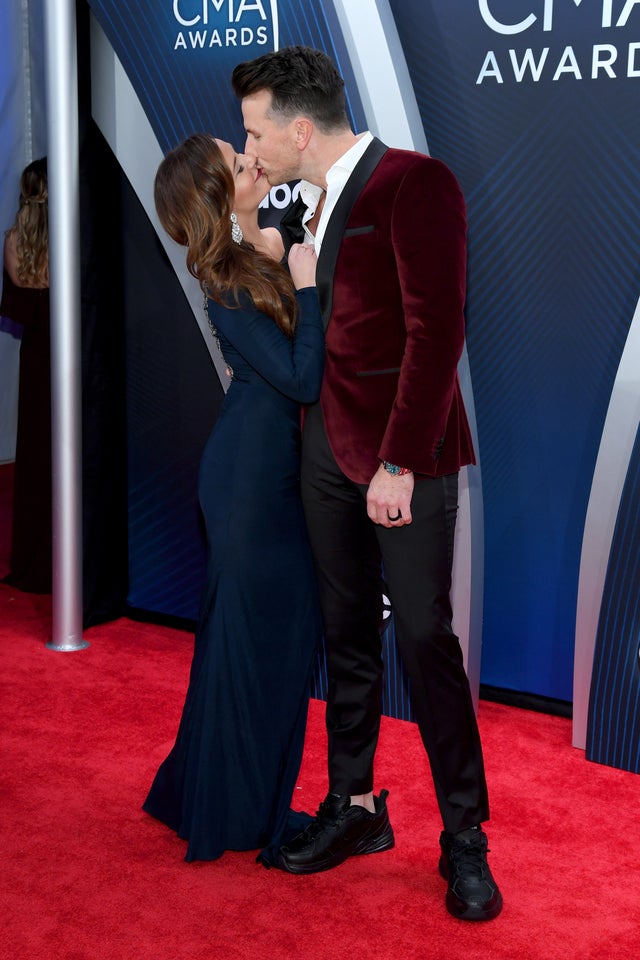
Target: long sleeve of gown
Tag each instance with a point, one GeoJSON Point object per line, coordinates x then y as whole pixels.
{"type": "Point", "coordinates": [292, 366]}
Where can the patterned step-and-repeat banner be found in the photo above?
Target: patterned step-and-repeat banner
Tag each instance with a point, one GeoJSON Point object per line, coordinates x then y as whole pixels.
{"type": "Point", "coordinates": [533, 104]}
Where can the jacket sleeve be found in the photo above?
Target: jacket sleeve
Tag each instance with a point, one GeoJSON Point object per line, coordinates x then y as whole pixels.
{"type": "Point", "coordinates": [293, 366]}
{"type": "Point", "coordinates": [429, 239]}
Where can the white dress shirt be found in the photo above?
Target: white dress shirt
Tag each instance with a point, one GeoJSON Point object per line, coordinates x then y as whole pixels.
{"type": "Point", "coordinates": [337, 177]}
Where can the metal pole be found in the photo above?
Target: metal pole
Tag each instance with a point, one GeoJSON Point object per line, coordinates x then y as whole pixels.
{"type": "Point", "coordinates": [64, 264]}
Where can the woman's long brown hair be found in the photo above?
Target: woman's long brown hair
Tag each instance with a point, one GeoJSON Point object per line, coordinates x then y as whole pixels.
{"type": "Point", "coordinates": [194, 196]}
{"type": "Point", "coordinates": [32, 226]}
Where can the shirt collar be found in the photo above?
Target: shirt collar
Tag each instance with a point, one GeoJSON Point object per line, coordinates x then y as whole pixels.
{"type": "Point", "coordinates": [347, 162]}
{"type": "Point", "coordinates": [340, 171]}
{"type": "Point", "coordinates": [310, 194]}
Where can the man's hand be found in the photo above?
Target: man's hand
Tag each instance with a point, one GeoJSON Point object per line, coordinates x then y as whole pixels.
{"type": "Point", "coordinates": [389, 498]}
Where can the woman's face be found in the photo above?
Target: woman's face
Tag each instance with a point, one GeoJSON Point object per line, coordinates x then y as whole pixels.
{"type": "Point", "coordinates": [251, 186]}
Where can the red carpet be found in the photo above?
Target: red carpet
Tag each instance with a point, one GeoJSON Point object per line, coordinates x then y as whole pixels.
{"type": "Point", "coordinates": [87, 876]}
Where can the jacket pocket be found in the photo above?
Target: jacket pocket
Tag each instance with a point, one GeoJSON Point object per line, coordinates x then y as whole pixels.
{"type": "Point", "coordinates": [376, 373]}
{"type": "Point", "coordinates": [356, 231]}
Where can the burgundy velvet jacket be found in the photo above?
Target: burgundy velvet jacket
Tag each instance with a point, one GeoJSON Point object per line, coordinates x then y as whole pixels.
{"type": "Point", "coordinates": [391, 280]}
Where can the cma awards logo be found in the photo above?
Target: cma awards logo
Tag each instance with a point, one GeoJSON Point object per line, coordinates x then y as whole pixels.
{"type": "Point", "coordinates": [609, 59]}
{"type": "Point", "coordinates": [225, 24]}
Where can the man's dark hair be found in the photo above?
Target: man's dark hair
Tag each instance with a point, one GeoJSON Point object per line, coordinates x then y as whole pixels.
{"type": "Point", "coordinates": [301, 81]}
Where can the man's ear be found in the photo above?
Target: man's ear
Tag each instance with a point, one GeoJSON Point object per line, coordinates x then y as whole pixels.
{"type": "Point", "coordinates": [303, 130]}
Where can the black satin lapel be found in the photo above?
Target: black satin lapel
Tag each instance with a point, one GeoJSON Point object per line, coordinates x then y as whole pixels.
{"type": "Point", "coordinates": [338, 220]}
{"type": "Point", "coordinates": [291, 224]}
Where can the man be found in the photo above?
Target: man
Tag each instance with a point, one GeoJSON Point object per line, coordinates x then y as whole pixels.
{"type": "Point", "coordinates": [381, 455]}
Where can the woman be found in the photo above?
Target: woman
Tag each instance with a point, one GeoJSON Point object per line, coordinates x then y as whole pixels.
{"type": "Point", "coordinates": [228, 781]}
{"type": "Point", "coordinates": [25, 299]}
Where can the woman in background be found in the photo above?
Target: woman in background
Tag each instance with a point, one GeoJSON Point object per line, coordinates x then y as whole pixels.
{"type": "Point", "coordinates": [228, 781]}
{"type": "Point", "coordinates": [25, 300]}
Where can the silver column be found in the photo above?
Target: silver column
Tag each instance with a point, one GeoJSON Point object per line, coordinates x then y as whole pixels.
{"type": "Point", "coordinates": [64, 264]}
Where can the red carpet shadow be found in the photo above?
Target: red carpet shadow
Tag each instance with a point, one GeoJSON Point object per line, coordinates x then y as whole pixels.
{"type": "Point", "coordinates": [6, 505]}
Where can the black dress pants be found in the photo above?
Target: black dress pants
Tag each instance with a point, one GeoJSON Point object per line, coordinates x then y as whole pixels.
{"type": "Point", "coordinates": [349, 552]}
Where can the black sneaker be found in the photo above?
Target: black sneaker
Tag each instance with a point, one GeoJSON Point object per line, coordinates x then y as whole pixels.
{"type": "Point", "coordinates": [338, 831]}
{"type": "Point", "coordinates": [472, 893]}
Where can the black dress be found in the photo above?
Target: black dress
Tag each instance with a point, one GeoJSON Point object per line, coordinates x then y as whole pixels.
{"type": "Point", "coordinates": [31, 525]}
{"type": "Point", "coordinates": [228, 781]}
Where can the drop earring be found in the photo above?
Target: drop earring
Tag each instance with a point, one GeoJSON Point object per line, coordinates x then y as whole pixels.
{"type": "Point", "coordinates": [236, 229]}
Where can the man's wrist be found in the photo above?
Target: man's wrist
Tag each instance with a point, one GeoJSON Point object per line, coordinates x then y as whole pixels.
{"type": "Point", "coordinates": [394, 470]}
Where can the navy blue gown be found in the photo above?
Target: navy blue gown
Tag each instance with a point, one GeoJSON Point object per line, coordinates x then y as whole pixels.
{"type": "Point", "coordinates": [228, 781]}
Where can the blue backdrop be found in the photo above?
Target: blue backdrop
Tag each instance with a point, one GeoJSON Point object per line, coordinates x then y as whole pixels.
{"type": "Point", "coordinates": [534, 106]}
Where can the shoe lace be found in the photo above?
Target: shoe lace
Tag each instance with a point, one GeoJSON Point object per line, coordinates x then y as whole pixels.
{"type": "Point", "coordinates": [469, 859]}
{"type": "Point", "coordinates": [325, 815]}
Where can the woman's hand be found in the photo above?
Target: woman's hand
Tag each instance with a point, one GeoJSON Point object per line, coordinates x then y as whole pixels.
{"type": "Point", "coordinates": [302, 265]}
